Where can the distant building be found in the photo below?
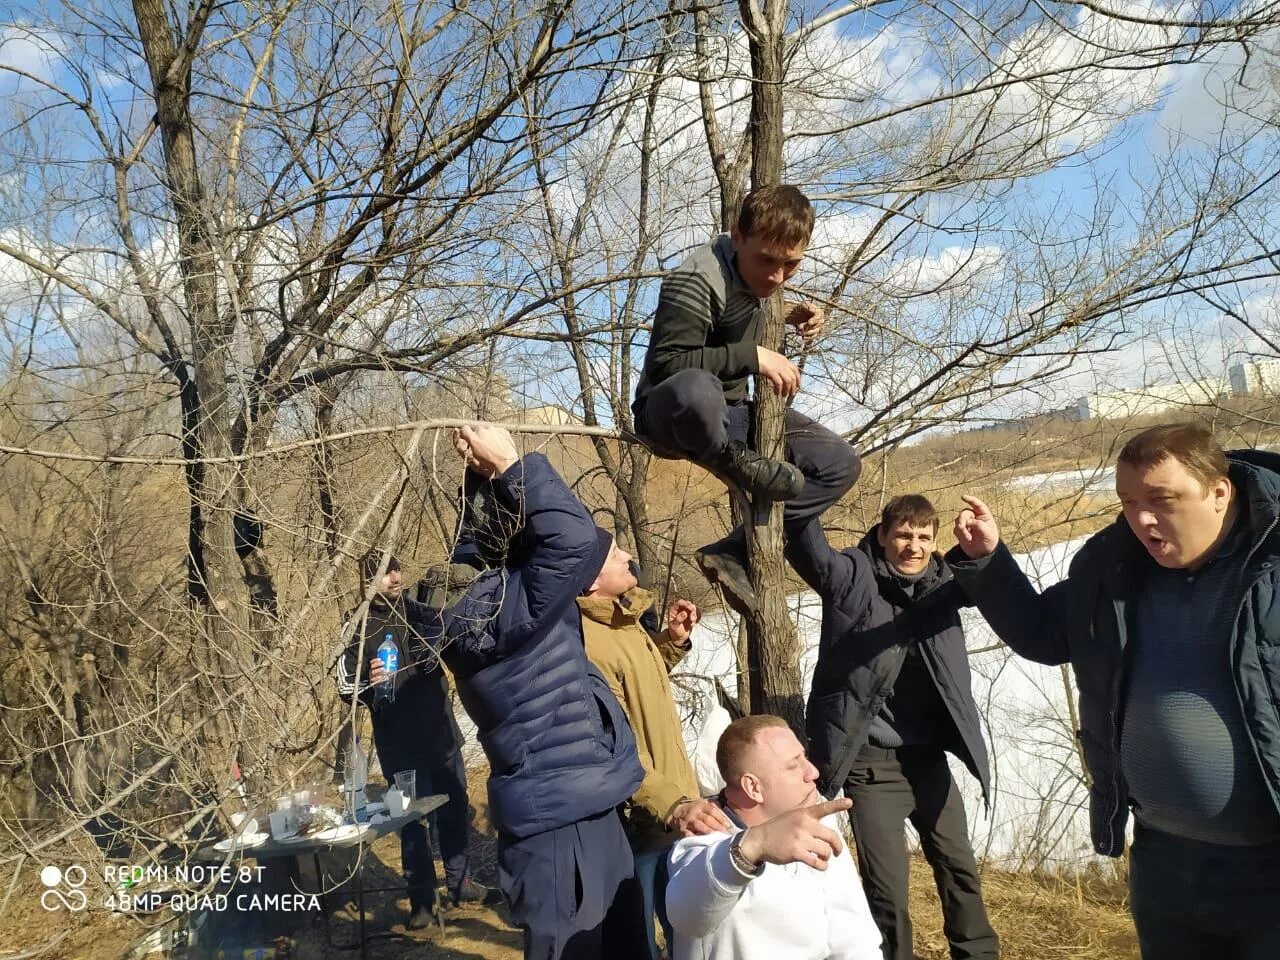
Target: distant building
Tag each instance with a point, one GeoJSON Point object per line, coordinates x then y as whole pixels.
{"type": "Point", "coordinates": [1144, 401]}
{"type": "Point", "coordinates": [550, 416]}
{"type": "Point", "coordinates": [1255, 376]}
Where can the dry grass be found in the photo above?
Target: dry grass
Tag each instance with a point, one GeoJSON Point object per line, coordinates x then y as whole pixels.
{"type": "Point", "coordinates": [1037, 918]}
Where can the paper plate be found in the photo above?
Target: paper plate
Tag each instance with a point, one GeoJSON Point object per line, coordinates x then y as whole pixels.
{"type": "Point", "coordinates": [348, 831]}
{"type": "Point", "coordinates": [240, 842]}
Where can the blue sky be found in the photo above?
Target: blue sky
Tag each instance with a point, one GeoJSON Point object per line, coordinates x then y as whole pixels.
{"type": "Point", "coordinates": [876, 61]}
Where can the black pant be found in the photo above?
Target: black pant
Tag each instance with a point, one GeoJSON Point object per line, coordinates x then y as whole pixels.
{"type": "Point", "coordinates": [1201, 900]}
{"type": "Point", "coordinates": [888, 787]}
{"type": "Point", "coordinates": [686, 417]}
{"type": "Point", "coordinates": [572, 891]}
{"type": "Point", "coordinates": [449, 777]}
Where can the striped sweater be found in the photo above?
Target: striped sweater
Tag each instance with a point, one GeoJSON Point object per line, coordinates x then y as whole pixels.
{"type": "Point", "coordinates": [706, 319]}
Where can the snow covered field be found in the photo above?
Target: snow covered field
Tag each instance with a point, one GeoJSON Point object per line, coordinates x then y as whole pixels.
{"type": "Point", "coordinates": [1039, 815]}
{"type": "Point", "coordinates": [1095, 480]}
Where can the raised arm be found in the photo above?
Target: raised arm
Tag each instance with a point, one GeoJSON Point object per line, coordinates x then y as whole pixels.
{"type": "Point", "coordinates": [845, 580]}
{"type": "Point", "coordinates": [556, 551]}
{"type": "Point", "coordinates": [1032, 623]}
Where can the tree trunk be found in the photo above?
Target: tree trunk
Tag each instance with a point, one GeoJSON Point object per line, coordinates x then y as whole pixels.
{"type": "Point", "coordinates": [773, 653]}
{"type": "Point", "coordinates": [170, 68]}
{"type": "Point", "coordinates": [221, 644]}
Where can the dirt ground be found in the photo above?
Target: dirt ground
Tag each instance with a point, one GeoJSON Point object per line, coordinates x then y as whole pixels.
{"type": "Point", "coordinates": [1036, 919]}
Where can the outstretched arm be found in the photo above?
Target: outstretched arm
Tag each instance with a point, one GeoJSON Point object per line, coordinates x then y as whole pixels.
{"type": "Point", "coordinates": [1033, 624]}
{"type": "Point", "coordinates": [843, 579]}
{"type": "Point", "coordinates": [705, 885]}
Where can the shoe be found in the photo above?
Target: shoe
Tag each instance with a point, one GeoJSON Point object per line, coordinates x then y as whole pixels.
{"type": "Point", "coordinates": [724, 563]}
{"type": "Point", "coordinates": [472, 892]}
{"type": "Point", "coordinates": [740, 466]}
{"type": "Point", "coordinates": [421, 917]}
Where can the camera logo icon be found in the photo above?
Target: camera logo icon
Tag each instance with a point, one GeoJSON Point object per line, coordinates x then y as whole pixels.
{"type": "Point", "coordinates": [63, 888]}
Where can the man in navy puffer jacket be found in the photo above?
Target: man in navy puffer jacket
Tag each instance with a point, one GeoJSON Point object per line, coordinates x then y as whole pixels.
{"type": "Point", "coordinates": [562, 756]}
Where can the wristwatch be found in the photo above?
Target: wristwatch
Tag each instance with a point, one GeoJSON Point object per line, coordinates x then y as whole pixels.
{"type": "Point", "coordinates": [739, 859]}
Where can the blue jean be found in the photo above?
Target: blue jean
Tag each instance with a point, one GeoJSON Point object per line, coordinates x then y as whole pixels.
{"type": "Point", "coordinates": [651, 878]}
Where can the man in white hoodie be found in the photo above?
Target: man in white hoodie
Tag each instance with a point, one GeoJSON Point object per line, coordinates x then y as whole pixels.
{"type": "Point", "coordinates": [782, 885]}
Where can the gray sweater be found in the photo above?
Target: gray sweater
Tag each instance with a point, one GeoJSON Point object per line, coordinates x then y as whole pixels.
{"type": "Point", "coordinates": [706, 319]}
{"type": "Point", "coordinates": [1184, 749]}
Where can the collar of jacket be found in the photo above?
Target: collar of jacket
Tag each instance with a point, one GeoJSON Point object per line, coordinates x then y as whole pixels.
{"type": "Point", "coordinates": [729, 812]}
{"type": "Point", "coordinates": [617, 612]}
{"type": "Point", "coordinates": [729, 257]}
{"type": "Point", "coordinates": [933, 576]}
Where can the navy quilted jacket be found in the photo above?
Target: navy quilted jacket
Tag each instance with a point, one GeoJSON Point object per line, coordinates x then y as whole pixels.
{"type": "Point", "coordinates": [558, 744]}
{"type": "Point", "coordinates": [866, 627]}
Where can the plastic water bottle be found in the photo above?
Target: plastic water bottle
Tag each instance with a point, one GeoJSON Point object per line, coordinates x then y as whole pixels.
{"type": "Point", "coordinates": [354, 778]}
{"type": "Point", "coordinates": [389, 654]}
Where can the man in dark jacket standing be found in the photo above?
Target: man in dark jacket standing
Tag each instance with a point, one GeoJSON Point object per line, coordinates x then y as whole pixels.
{"type": "Point", "coordinates": [1170, 619]}
{"type": "Point", "coordinates": [413, 729]}
{"type": "Point", "coordinates": [562, 757]}
{"type": "Point", "coordinates": [691, 402]}
{"type": "Point", "coordinates": [890, 697]}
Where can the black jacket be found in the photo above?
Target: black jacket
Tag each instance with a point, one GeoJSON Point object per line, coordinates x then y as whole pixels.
{"type": "Point", "coordinates": [867, 628]}
{"type": "Point", "coordinates": [1086, 620]}
{"type": "Point", "coordinates": [416, 728]}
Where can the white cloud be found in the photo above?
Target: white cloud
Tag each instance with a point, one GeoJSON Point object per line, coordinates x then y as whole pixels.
{"type": "Point", "coordinates": [30, 51]}
{"type": "Point", "coordinates": [1072, 84]}
{"type": "Point", "coordinates": [1233, 92]}
{"type": "Point", "coordinates": [956, 269]}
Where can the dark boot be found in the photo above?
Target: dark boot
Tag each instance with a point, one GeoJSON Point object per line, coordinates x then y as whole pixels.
{"type": "Point", "coordinates": [724, 563]}
{"type": "Point", "coordinates": [421, 916]}
{"type": "Point", "coordinates": [740, 466]}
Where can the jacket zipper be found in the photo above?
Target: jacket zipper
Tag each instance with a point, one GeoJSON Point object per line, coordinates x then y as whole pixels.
{"type": "Point", "coordinates": [1231, 648]}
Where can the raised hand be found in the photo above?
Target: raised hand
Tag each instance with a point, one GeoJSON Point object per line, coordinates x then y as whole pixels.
{"type": "Point", "coordinates": [976, 530]}
{"type": "Point", "coordinates": [682, 616]}
{"type": "Point", "coordinates": [487, 450]}
{"type": "Point", "coordinates": [808, 318]}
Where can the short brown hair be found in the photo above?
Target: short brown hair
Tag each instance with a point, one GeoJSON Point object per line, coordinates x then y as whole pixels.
{"type": "Point", "coordinates": [911, 508]}
{"type": "Point", "coordinates": [779, 213]}
{"type": "Point", "coordinates": [1191, 445]}
{"type": "Point", "coordinates": [737, 740]}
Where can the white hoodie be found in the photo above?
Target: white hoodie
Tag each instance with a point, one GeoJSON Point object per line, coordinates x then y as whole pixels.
{"type": "Point", "coordinates": [790, 912]}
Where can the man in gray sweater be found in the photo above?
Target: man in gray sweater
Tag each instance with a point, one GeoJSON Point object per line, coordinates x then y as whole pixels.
{"type": "Point", "coordinates": [692, 399]}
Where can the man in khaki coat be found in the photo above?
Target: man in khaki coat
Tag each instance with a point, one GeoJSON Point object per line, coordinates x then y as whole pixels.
{"type": "Point", "coordinates": [636, 665]}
